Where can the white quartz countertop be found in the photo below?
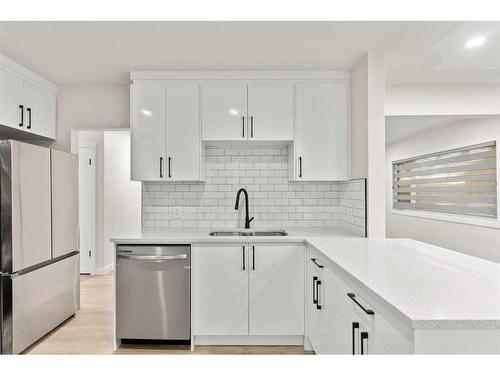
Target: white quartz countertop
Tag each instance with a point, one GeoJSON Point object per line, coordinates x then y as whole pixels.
{"type": "Point", "coordinates": [200, 235]}
{"type": "Point", "coordinates": [427, 286]}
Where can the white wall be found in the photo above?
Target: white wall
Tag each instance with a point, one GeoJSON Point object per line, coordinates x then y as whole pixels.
{"type": "Point", "coordinates": [122, 197]}
{"type": "Point", "coordinates": [474, 240]}
{"type": "Point", "coordinates": [368, 135]}
{"type": "Point", "coordinates": [359, 120]}
{"type": "Point", "coordinates": [87, 107]}
{"type": "Point", "coordinates": [442, 100]}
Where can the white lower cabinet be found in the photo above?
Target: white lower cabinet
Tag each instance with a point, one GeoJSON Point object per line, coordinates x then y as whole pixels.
{"type": "Point", "coordinates": [248, 289]}
{"type": "Point", "coordinates": [340, 320]}
{"type": "Point", "coordinates": [276, 284]}
{"type": "Point", "coordinates": [220, 290]}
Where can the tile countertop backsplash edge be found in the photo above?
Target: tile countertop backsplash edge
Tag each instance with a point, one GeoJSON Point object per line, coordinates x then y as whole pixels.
{"type": "Point", "coordinates": [274, 201]}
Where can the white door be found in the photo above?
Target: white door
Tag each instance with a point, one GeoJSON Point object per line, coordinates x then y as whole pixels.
{"type": "Point", "coordinates": [87, 184]}
{"type": "Point", "coordinates": [11, 100]}
{"type": "Point", "coordinates": [220, 290]}
{"type": "Point", "coordinates": [270, 111]}
{"type": "Point", "coordinates": [322, 113]}
{"type": "Point", "coordinates": [183, 132]}
{"type": "Point", "coordinates": [148, 131]}
{"type": "Point", "coordinates": [276, 290]}
{"type": "Point", "coordinates": [40, 110]}
{"type": "Point", "coordinates": [224, 111]}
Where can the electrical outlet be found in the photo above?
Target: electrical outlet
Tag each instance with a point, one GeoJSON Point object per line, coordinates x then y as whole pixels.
{"type": "Point", "coordinates": [177, 212]}
{"type": "Point", "coordinates": [350, 215]}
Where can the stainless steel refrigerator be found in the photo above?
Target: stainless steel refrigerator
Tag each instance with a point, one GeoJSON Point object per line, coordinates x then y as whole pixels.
{"type": "Point", "coordinates": [39, 258]}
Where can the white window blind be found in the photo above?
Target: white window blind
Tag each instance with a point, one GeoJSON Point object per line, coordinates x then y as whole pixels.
{"type": "Point", "coordinates": [460, 181]}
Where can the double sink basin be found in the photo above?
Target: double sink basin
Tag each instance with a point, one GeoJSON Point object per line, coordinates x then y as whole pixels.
{"type": "Point", "coordinates": [248, 232]}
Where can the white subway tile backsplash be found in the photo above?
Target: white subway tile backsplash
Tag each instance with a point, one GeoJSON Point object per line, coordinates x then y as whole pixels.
{"type": "Point", "coordinates": [274, 202]}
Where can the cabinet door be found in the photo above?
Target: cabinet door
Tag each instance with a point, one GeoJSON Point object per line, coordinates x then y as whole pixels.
{"type": "Point", "coordinates": [40, 107]}
{"type": "Point", "coordinates": [11, 97]}
{"type": "Point", "coordinates": [224, 111]}
{"type": "Point", "coordinates": [270, 111]}
{"type": "Point", "coordinates": [148, 131]}
{"type": "Point", "coordinates": [183, 132]}
{"type": "Point", "coordinates": [312, 311]}
{"type": "Point", "coordinates": [322, 111]}
{"type": "Point", "coordinates": [220, 290]}
{"type": "Point", "coordinates": [276, 290]}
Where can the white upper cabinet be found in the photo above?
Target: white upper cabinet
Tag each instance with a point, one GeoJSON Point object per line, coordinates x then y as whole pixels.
{"type": "Point", "coordinates": [148, 131]}
{"type": "Point", "coordinates": [224, 111]}
{"type": "Point", "coordinates": [27, 101]}
{"type": "Point", "coordinates": [322, 132]}
{"type": "Point", "coordinates": [183, 132]}
{"type": "Point", "coordinates": [174, 114]}
{"type": "Point", "coordinates": [166, 143]}
{"type": "Point", "coordinates": [270, 111]}
{"type": "Point", "coordinates": [40, 110]}
{"type": "Point", "coordinates": [11, 100]}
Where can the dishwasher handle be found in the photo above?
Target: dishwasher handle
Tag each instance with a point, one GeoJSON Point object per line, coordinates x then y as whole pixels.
{"type": "Point", "coordinates": [154, 258]}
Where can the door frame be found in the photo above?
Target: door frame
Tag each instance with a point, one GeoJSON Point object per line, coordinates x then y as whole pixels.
{"type": "Point", "coordinates": [93, 148]}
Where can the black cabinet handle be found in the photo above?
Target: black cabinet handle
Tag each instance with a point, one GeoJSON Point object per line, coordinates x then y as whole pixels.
{"type": "Point", "coordinates": [318, 306]}
{"type": "Point", "coordinates": [244, 266]}
{"type": "Point", "coordinates": [300, 167]}
{"type": "Point", "coordinates": [169, 167]}
{"type": "Point", "coordinates": [161, 167]}
{"type": "Point", "coordinates": [364, 336]}
{"type": "Point", "coordinates": [243, 125]}
{"type": "Point", "coordinates": [251, 126]}
{"type": "Point", "coordinates": [314, 290]}
{"type": "Point", "coordinates": [316, 263]}
{"type": "Point", "coordinates": [355, 326]}
{"type": "Point", "coordinates": [29, 118]}
{"type": "Point", "coordinates": [21, 107]}
{"type": "Point", "coordinates": [253, 258]}
{"type": "Point", "coordinates": [367, 311]}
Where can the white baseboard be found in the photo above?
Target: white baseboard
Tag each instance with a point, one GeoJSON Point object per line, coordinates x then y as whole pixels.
{"type": "Point", "coordinates": [104, 270]}
{"type": "Point", "coordinates": [249, 340]}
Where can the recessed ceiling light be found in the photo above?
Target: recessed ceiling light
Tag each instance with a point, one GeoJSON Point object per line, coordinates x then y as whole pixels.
{"type": "Point", "coordinates": [475, 42]}
{"type": "Point", "coordinates": [146, 112]}
{"type": "Point", "coordinates": [234, 112]}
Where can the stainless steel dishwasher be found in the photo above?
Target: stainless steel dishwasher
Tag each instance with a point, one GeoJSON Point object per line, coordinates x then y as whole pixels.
{"type": "Point", "coordinates": [153, 298]}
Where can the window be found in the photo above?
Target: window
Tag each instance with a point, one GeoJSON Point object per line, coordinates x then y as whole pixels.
{"type": "Point", "coordinates": [461, 181]}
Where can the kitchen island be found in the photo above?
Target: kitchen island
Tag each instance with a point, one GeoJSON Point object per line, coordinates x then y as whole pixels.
{"type": "Point", "coordinates": [336, 293]}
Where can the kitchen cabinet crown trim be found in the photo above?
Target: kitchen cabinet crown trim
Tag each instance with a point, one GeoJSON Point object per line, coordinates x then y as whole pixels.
{"type": "Point", "coordinates": [25, 74]}
{"type": "Point", "coordinates": [341, 75]}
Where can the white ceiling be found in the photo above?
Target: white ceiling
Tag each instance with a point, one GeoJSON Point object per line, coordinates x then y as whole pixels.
{"type": "Point", "coordinates": [398, 128]}
{"type": "Point", "coordinates": [105, 52]}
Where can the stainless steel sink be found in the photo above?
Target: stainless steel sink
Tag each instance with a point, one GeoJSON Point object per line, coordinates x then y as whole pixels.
{"type": "Point", "coordinates": [261, 232]}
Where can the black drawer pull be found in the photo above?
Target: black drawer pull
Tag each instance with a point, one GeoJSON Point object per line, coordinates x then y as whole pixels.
{"type": "Point", "coordinates": [29, 118]}
{"type": "Point", "coordinates": [367, 311]}
{"type": "Point", "coordinates": [318, 306]}
{"type": "Point", "coordinates": [355, 326]}
{"type": "Point", "coordinates": [244, 266]}
{"type": "Point", "coordinates": [364, 336]}
{"type": "Point", "coordinates": [316, 263]}
{"type": "Point", "coordinates": [314, 290]}
{"type": "Point", "coordinates": [21, 107]}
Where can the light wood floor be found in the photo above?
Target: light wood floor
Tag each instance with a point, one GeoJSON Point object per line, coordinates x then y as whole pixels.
{"type": "Point", "coordinates": [91, 330]}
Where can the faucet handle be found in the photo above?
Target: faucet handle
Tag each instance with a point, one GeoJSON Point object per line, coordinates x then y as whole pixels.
{"type": "Point", "coordinates": [250, 220]}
